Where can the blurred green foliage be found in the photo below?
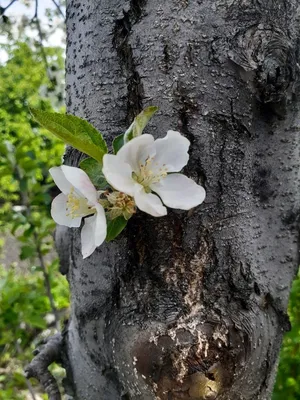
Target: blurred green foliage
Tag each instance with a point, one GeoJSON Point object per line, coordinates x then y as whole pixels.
{"type": "Point", "coordinates": [24, 81]}
{"type": "Point", "coordinates": [34, 296]}
{"type": "Point", "coordinates": [288, 377]}
{"type": "Point", "coordinates": [24, 308]}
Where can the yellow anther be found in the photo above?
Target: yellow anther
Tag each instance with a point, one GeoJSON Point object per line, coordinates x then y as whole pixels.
{"type": "Point", "coordinates": [78, 206]}
{"type": "Point", "coordinates": [147, 176]}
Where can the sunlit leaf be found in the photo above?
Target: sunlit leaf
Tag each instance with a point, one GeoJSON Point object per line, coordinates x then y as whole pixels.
{"type": "Point", "coordinates": [139, 123]}
{"type": "Point", "coordinates": [74, 131]}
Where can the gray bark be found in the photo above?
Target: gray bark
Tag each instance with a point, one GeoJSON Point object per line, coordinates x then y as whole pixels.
{"type": "Point", "coordinates": [192, 305]}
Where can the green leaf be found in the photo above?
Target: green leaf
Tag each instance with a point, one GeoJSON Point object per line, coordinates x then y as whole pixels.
{"type": "Point", "coordinates": [115, 227]}
{"type": "Point", "coordinates": [41, 198]}
{"type": "Point", "coordinates": [74, 131]}
{"type": "Point", "coordinates": [2, 283]}
{"type": "Point", "coordinates": [94, 170]}
{"type": "Point", "coordinates": [5, 170]}
{"type": "Point", "coordinates": [35, 320]}
{"type": "Point", "coordinates": [118, 142]}
{"type": "Point", "coordinates": [27, 252]}
{"type": "Point", "coordinates": [139, 123]}
{"type": "Point", "coordinates": [8, 149]}
{"type": "Point", "coordinates": [28, 232]}
{"type": "Point", "coordinates": [5, 148]}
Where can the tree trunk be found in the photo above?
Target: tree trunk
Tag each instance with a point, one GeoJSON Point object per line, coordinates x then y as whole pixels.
{"type": "Point", "coordinates": [192, 305]}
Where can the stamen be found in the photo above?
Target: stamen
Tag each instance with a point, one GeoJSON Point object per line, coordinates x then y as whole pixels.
{"type": "Point", "coordinates": [147, 176]}
{"type": "Point", "coordinates": [78, 206]}
{"type": "Point", "coordinates": [120, 204]}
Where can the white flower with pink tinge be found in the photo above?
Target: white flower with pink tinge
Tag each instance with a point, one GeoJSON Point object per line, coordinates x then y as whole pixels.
{"type": "Point", "coordinates": [145, 165]}
{"type": "Point", "coordinates": [79, 198]}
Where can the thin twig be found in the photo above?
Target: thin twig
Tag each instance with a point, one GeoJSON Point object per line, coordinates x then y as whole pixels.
{"type": "Point", "coordinates": [30, 388]}
{"type": "Point", "coordinates": [47, 282]}
{"type": "Point", "coordinates": [59, 9]}
{"type": "Point", "coordinates": [7, 7]}
{"type": "Point", "coordinates": [36, 9]}
{"type": "Point", "coordinates": [36, 20]}
{"type": "Point", "coordinates": [38, 368]}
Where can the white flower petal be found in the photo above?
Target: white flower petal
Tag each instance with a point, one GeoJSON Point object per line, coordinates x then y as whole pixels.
{"type": "Point", "coordinates": [59, 211]}
{"type": "Point", "coordinates": [88, 232]}
{"type": "Point", "coordinates": [118, 174]}
{"type": "Point", "coordinates": [93, 232]}
{"type": "Point", "coordinates": [137, 151]}
{"type": "Point", "coordinates": [81, 182]}
{"type": "Point", "coordinates": [100, 232]}
{"type": "Point", "coordinates": [60, 180]}
{"type": "Point", "coordinates": [172, 151]}
{"type": "Point", "coordinates": [149, 203]}
{"type": "Point", "coordinates": [178, 191]}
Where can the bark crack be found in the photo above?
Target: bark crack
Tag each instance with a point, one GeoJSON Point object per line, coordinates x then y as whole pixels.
{"type": "Point", "coordinates": [187, 108]}
{"type": "Point", "coordinates": [124, 50]}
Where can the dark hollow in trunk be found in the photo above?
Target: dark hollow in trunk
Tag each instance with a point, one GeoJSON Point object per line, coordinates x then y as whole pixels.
{"type": "Point", "coordinates": [193, 305]}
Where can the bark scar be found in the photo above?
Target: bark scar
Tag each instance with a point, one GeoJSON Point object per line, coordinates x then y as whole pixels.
{"type": "Point", "coordinates": [38, 368]}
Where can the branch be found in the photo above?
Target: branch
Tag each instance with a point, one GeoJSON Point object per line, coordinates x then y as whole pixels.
{"type": "Point", "coordinates": [47, 281]}
{"type": "Point", "coordinates": [38, 368]}
{"type": "Point", "coordinates": [7, 7]}
{"type": "Point", "coordinates": [38, 25]}
{"type": "Point", "coordinates": [59, 9]}
{"type": "Point", "coordinates": [29, 386]}
{"type": "Point", "coordinates": [36, 9]}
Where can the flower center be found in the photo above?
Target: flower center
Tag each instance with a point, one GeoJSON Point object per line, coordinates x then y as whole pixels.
{"type": "Point", "coordinates": [78, 206]}
{"type": "Point", "coordinates": [120, 204]}
{"type": "Point", "coordinates": [150, 172]}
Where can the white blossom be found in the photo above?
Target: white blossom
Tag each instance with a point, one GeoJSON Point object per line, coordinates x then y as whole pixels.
{"type": "Point", "coordinates": [78, 199]}
{"type": "Point", "coordinates": [145, 165]}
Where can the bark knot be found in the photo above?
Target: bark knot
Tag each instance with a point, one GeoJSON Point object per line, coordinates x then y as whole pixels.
{"type": "Point", "coordinates": [267, 57]}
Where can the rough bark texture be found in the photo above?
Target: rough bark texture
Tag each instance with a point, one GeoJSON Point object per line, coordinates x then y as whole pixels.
{"type": "Point", "coordinates": [193, 305]}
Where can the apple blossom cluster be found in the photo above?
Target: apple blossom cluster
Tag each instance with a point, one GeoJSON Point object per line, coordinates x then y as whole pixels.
{"type": "Point", "coordinates": [108, 189]}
